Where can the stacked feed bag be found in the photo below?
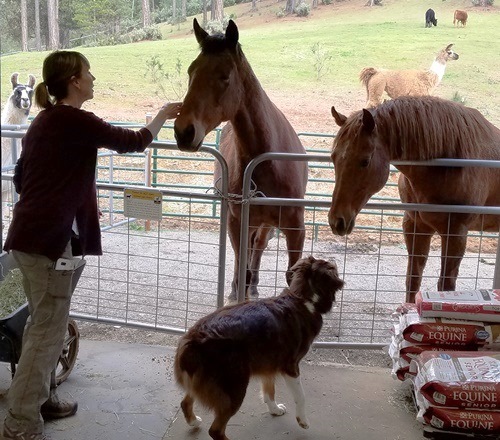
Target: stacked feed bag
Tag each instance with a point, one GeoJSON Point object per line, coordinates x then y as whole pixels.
{"type": "Point", "coordinates": [444, 321]}
{"type": "Point", "coordinates": [448, 344]}
{"type": "Point", "coordinates": [458, 391]}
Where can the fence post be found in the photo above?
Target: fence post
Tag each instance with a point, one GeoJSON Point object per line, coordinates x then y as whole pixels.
{"type": "Point", "coordinates": [496, 275]}
{"type": "Point", "coordinates": [147, 169]}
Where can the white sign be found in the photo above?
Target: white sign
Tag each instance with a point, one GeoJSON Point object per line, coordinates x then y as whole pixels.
{"type": "Point", "coordinates": [142, 203]}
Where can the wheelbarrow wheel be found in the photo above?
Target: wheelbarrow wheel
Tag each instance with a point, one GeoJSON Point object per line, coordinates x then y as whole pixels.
{"type": "Point", "coordinates": [69, 353]}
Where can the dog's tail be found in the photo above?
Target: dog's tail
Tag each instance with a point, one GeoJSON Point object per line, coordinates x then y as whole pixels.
{"type": "Point", "coordinates": [366, 74]}
{"type": "Point", "coordinates": [187, 362]}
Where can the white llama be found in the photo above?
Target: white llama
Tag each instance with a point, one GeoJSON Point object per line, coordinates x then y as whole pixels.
{"type": "Point", "coordinates": [405, 82]}
{"type": "Point", "coordinates": [16, 112]}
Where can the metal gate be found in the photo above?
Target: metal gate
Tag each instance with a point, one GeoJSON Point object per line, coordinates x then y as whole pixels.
{"type": "Point", "coordinates": [166, 274]}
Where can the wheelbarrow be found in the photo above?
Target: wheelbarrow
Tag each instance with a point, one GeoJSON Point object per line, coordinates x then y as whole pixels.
{"type": "Point", "coordinates": [11, 337]}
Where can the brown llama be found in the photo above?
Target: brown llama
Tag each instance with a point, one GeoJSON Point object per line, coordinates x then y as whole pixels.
{"type": "Point", "coordinates": [405, 82]}
{"type": "Point", "coordinates": [460, 17]}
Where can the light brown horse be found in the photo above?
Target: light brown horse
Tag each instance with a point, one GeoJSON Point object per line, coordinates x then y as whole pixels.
{"type": "Point", "coordinates": [223, 87]}
{"type": "Point", "coordinates": [418, 128]}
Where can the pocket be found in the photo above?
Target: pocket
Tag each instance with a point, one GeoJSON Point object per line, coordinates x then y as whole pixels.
{"type": "Point", "coordinates": [26, 260]}
{"type": "Point", "coordinates": [60, 283]}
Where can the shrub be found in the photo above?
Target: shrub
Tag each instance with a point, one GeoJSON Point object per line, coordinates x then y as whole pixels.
{"type": "Point", "coordinates": [280, 13]}
{"type": "Point", "coordinates": [483, 2]}
{"type": "Point", "coordinates": [216, 26]}
{"type": "Point", "coordinates": [302, 9]}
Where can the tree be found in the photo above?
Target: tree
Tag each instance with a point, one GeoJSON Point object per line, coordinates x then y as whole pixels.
{"type": "Point", "coordinates": [38, 39]}
{"type": "Point", "coordinates": [24, 26]}
{"type": "Point", "coordinates": [290, 6]}
{"type": "Point", "coordinates": [146, 13]}
{"type": "Point", "coordinates": [53, 23]}
{"type": "Point", "coordinates": [204, 13]}
{"type": "Point", "coordinates": [217, 13]}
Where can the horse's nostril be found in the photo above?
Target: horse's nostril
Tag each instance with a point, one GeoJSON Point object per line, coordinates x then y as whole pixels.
{"type": "Point", "coordinates": [340, 225]}
{"type": "Point", "coordinates": [186, 136]}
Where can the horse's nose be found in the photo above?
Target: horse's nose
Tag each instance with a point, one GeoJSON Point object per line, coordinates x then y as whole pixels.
{"type": "Point", "coordinates": [340, 226]}
{"type": "Point", "coordinates": [185, 137]}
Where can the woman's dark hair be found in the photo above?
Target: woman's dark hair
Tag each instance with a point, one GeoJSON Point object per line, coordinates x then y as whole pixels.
{"type": "Point", "coordinates": [58, 69]}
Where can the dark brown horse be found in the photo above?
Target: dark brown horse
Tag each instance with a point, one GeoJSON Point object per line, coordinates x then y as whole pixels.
{"type": "Point", "coordinates": [418, 128]}
{"type": "Point", "coordinates": [223, 87]}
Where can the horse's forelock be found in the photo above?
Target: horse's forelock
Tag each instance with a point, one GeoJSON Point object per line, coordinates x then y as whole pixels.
{"type": "Point", "coordinates": [216, 43]}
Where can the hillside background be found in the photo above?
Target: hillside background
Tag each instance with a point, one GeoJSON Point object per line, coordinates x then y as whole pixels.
{"type": "Point", "coordinates": [346, 36]}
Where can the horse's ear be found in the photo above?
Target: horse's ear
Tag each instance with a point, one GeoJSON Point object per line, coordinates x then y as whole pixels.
{"type": "Point", "coordinates": [13, 80]}
{"type": "Point", "coordinates": [199, 33]}
{"type": "Point", "coordinates": [368, 121]}
{"type": "Point", "coordinates": [339, 118]}
{"type": "Point", "coordinates": [32, 80]}
{"type": "Point", "coordinates": [232, 34]}
{"type": "Point", "coordinates": [449, 46]}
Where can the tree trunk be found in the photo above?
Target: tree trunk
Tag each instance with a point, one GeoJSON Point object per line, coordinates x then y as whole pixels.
{"type": "Point", "coordinates": [146, 14]}
{"type": "Point", "coordinates": [24, 26]}
{"type": "Point", "coordinates": [183, 15]}
{"type": "Point", "coordinates": [53, 22]}
{"type": "Point", "coordinates": [290, 6]}
{"type": "Point", "coordinates": [217, 10]}
{"type": "Point", "coordinates": [254, 5]}
{"type": "Point", "coordinates": [204, 13]}
{"type": "Point", "coordinates": [174, 12]}
{"type": "Point", "coordinates": [38, 39]}
{"type": "Point", "coordinates": [314, 4]}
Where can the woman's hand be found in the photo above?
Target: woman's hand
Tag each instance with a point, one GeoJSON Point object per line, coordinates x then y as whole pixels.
{"type": "Point", "coordinates": [171, 110]}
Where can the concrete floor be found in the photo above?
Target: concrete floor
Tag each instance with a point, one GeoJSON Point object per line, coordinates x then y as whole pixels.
{"type": "Point", "coordinates": [126, 391]}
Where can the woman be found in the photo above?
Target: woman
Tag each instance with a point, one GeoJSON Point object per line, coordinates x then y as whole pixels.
{"type": "Point", "coordinates": [55, 219]}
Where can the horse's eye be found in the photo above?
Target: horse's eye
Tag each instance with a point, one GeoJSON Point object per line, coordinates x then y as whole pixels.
{"type": "Point", "coordinates": [364, 163]}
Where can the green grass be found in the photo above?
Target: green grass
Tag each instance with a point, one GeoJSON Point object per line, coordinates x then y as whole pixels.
{"type": "Point", "coordinates": [279, 50]}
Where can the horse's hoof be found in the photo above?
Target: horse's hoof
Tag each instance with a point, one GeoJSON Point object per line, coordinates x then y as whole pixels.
{"type": "Point", "coordinates": [303, 423]}
{"type": "Point", "coordinates": [230, 301]}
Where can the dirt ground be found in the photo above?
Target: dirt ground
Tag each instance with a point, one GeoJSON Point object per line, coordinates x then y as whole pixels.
{"type": "Point", "coordinates": [107, 332]}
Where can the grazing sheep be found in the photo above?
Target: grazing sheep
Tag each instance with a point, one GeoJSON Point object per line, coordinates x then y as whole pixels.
{"type": "Point", "coordinates": [405, 82]}
{"type": "Point", "coordinates": [16, 112]}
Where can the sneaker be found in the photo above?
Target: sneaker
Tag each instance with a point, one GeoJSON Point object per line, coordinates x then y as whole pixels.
{"type": "Point", "coordinates": [56, 408]}
{"type": "Point", "coordinates": [9, 434]}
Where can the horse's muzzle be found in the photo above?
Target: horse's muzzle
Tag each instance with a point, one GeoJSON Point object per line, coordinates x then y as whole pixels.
{"type": "Point", "coordinates": [340, 227]}
{"type": "Point", "coordinates": [186, 138]}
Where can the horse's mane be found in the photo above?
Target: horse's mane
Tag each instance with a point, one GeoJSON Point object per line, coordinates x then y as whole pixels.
{"type": "Point", "coordinates": [427, 127]}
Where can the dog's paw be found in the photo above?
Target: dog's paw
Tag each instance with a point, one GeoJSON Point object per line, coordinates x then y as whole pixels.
{"type": "Point", "coordinates": [195, 422]}
{"type": "Point", "coordinates": [303, 422]}
{"type": "Point", "coordinates": [277, 409]}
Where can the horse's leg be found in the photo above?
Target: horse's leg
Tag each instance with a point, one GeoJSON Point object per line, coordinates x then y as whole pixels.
{"type": "Point", "coordinates": [258, 244]}
{"type": "Point", "coordinates": [295, 234]}
{"type": "Point", "coordinates": [453, 245]}
{"type": "Point", "coordinates": [234, 237]}
{"type": "Point", "coordinates": [418, 241]}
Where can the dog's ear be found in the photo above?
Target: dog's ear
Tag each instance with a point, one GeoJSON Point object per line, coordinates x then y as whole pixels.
{"type": "Point", "coordinates": [325, 276]}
